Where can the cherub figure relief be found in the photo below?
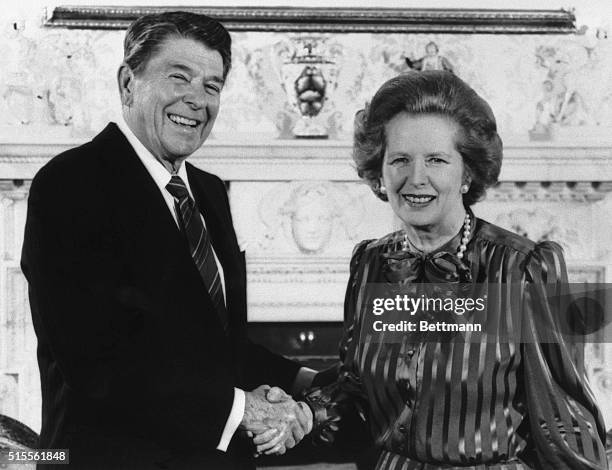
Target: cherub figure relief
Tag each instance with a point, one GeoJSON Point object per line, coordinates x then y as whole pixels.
{"type": "Point", "coordinates": [432, 60]}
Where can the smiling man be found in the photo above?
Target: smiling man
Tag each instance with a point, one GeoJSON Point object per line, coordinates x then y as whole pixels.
{"type": "Point", "coordinates": [137, 284]}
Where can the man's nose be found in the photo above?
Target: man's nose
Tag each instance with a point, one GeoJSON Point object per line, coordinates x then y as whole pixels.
{"type": "Point", "coordinates": [195, 97]}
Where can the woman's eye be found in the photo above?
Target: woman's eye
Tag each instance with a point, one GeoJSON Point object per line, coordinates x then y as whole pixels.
{"type": "Point", "coordinates": [213, 88]}
{"type": "Point", "coordinates": [178, 76]}
{"type": "Point", "coordinates": [399, 161]}
{"type": "Point", "coordinates": [437, 160]}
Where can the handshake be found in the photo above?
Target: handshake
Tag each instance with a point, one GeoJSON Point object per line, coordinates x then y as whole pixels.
{"type": "Point", "coordinates": [274, 420]}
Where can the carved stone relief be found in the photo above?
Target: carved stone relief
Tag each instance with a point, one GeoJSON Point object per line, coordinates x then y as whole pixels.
{"type": "Point", "coordinates": [565, 223]}
{"type": "Point", "coordinates": [308, 219]}
{"type": "Point", "coordinates": [38, 89]}
{"type": "Point", "coordinates": [56, 79]}
{"type": "Point", "coordinates": [268, 69]}
{"type": "Point", "coordinates": [298, 238]}
{"type": "Point", "coordinates": [572, 69]}
{"type": "Point", "coordinates": [539, 225]}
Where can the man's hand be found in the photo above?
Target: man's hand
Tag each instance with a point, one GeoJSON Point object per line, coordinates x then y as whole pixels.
{"type": "Point", "coordinates": [276, 420]}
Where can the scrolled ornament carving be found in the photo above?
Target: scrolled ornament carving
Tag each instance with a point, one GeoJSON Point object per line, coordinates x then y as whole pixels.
{"type": "Point", "coordinates": [540, 225]}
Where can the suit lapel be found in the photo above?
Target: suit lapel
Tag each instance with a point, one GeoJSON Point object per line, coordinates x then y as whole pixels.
{"type": "Point", "coordinates": [141, 207]}
{"type": "Point", "coordinates": [158, 253]}
{"type": "Point", "coordinates": [159, 258]}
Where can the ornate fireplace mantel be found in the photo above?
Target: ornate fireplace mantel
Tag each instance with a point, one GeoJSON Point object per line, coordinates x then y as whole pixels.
{"type": "Point", "coordinates": [542, 184]}
{"type": "Point", "coordinates": [331, 160]}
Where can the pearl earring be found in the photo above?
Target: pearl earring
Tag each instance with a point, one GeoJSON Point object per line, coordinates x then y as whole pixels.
{"type": "Point", "coordinates": [382, 188]}
{"type": "Point", "coordinates": [464, 188]}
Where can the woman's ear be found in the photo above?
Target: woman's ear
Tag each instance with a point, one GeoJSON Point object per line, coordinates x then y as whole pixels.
{"type": "Point", "coordinates": [125, 80]}
{"type": "Point", "coordinates": [466, 179]}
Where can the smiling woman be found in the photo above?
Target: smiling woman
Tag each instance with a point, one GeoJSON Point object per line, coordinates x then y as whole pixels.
{"type": "Point", "coordinates": [422, 174]}
{"type": "Point", "coordinates": [502, 397]}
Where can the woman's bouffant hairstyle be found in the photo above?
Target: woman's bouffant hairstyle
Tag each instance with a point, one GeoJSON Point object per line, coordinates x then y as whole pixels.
{"type": "Point", "coordinates": [431, 92]}
{"type": "Point", "coordinates": [145, 35]}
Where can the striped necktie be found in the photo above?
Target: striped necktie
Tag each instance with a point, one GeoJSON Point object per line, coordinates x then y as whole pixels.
{"type": "Point", "coordinates": [199, 244]}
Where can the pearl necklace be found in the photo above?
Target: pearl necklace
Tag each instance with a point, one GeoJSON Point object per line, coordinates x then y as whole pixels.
{"type": "Point", "coordinates": [467, 228]}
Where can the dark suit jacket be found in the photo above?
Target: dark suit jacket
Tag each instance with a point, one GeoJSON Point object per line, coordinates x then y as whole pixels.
{"type": "Point", "coordinates": [136, 370]}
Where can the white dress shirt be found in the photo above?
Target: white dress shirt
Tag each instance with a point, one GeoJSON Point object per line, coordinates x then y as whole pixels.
{"type": "Point", "coordinates": [162, 176]}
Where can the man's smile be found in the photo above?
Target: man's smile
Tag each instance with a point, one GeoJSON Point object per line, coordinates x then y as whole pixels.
{"type": "Point", "coordinates": [184, 121]}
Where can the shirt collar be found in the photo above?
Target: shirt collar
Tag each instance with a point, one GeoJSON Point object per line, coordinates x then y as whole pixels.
{"type": "Point", "coordinates": [158, 172]}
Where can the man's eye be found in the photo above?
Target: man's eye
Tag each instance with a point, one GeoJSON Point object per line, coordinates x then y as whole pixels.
{"type": "Point", "coordinates": [213, 88]}
{"type": "Point", "coordinates": [180, 77]}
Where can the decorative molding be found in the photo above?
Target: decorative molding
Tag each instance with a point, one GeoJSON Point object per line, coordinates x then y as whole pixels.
{"type": "Point", "coordinates": [558, 191]}
{"type": "Point", "coordinates": [282, 270]}
{"type": "Point", "coordinates": [13, 188]}
{"type": "Point", "coordinates": [587, 272]}
{"type": "Point", "coordinates": [337, 20]}
{"type": "Point", "coordinates": [281, 303]}
{"type": "Point", "coordinates": [579, 271]}
{"type": "Point", "coordinates": [276, 288]}
{"type": "Point", "coordinates": [8, 232]}
{"type": "Point", "coordinates": [331, 160]}
{"type": "Point", "coordinates": [12, 206]}
{"type": "Point", "coordinates": [302, 270]}
{"type": "Point", "coordinates": [297, 278]}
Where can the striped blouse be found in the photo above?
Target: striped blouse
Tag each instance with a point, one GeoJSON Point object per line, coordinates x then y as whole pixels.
{"type": "Point", "coordinates": [480, 399]}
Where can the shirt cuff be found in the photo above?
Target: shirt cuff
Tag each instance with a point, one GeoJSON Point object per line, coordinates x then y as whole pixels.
{"type": "Point", "coordinates": [233, 421]}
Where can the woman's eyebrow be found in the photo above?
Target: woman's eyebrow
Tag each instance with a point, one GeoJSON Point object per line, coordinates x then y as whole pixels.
{"type": "Point", "coordinates": [439, 153]}
{"type": "Point", "coordinates": [399, 153]}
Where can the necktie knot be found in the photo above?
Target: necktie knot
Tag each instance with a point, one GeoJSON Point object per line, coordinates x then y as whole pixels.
{"type": "Point", "coordinates": [177, 188]}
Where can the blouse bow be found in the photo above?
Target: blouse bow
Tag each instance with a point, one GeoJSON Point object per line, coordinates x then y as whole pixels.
{"type": "Point", "coordinates": [441, 267]}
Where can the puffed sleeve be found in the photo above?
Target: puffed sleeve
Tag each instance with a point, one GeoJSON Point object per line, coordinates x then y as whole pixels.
{"type": "Point", "coordinates": [339, 403]}
{"type": "Point", "coordinates": [566, 426]}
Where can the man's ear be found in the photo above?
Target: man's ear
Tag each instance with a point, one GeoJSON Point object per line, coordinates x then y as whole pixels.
{"type": "Point", "coordinates": [125, 80]}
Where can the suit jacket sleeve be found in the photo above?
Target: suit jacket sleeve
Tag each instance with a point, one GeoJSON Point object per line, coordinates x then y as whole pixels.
{"type": "Point", "coordinates": [99, 335]}
{"type": "Point", "coordinates": [566, 425]}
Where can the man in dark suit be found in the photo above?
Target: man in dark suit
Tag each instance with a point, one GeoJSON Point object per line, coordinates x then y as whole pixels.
{"type": "Point", "coordinates": [137, 283]}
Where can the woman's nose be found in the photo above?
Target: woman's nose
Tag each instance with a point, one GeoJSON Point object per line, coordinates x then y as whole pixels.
{"type": "Point", "coordinates": [417, 175]}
